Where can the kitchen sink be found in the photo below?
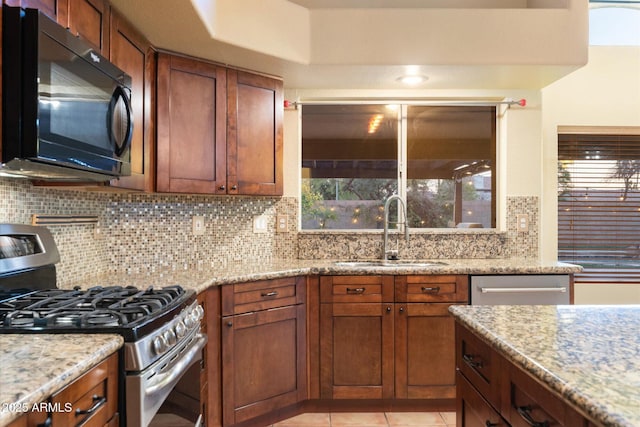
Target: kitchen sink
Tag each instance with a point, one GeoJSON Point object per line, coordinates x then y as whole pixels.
{"type": "Point", "coordinates": [416, 264]}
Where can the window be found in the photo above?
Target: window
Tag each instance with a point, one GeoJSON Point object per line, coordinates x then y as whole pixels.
{"type": "Point", "coordinates": [440, 159]}
{"type": "Point", "coordinates": [599, 206]}
{"type": "Point", "coordinates": [614, 24]}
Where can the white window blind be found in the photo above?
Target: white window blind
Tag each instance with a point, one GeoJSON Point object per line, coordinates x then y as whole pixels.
{"type": "Point", "coordinates": [599, 206]}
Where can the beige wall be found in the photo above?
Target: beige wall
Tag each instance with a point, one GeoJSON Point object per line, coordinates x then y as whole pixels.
{"type": "Point", "coordinates": [606, 92]}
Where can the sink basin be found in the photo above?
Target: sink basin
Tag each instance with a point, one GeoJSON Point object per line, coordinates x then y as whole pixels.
{"type": "Point", "coordinates": [390, 264]}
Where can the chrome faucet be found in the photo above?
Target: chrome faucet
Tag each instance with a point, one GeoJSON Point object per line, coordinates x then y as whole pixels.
{"type": "Point", "coordinates": [390, 254]}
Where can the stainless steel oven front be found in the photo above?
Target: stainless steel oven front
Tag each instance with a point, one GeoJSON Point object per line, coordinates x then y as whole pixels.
{"type": "Point", "coordinates": [165, 390]}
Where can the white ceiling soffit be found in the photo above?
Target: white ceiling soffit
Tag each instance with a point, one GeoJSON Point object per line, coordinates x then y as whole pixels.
{"type": "Point", "coordinates": [411, 4]}
{"type": "Point", "coordinates": [314, 48]}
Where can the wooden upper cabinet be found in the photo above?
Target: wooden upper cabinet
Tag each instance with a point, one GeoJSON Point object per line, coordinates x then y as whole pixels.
{"type": "Point", "coordinates": [54, 9]}
{"type": "Point", "coordinates": [191, 117]}
{"type": "Point", "coordinates": [254, 134]}
{"type": "Point", "coordinates": [132, 53]}
{"type": "Point", "coordinates": [89, 19]}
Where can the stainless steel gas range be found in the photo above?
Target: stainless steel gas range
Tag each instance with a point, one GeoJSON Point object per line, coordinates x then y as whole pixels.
{"type": "Point", "coordinates": [161, 327]}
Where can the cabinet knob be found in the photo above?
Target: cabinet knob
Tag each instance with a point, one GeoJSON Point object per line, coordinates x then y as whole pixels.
{"type": "Point", "coordinates": [229, 324]}
{"type": "Point", "coordinates": [388, 309]}
{"type": "Point", "coordinates": [401, 309]}
{"type": "Point", "coordinates": [222, 188]}
{"type": "Point", "coordinates": [234, 187]}
{"type": "Point", "coordinates": [490, 424]}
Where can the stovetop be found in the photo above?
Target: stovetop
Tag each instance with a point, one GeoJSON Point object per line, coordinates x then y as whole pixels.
{"type": "Point", "coordinates": [125, 310]}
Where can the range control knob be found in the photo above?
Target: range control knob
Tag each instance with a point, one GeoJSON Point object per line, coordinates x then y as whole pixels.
{"type": "Point", "coordinates": [181, 329]}
{"type": "Point", "coordinates": [169, 337]}
{"type": "Point", "coordinates": [188, 321]}
{"type": "Point", "coordinates": [159, 344]}
{"type": "Point", "coordinates": [199, 312]}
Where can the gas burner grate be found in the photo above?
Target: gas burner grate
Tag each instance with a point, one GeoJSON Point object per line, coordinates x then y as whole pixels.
{"type": "Point", "coordinates": [95, 307]}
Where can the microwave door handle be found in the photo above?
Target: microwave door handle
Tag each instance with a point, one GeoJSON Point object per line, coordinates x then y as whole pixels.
{"type": "Point", "coordinates": [120, 93]}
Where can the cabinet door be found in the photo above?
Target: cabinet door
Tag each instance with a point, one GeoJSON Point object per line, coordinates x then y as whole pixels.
{"type": "Point", "coordinates": [424, 351]}
{"type": "Point", "coordinates": [472, 410]}
{"type": "Point", "coordinates": [132, 53]}
{"type": "Point", "coordinates": [89, 19]}
{"type": "Point", "coordinates": [93, 396]}
{"type": "Point", "coordinates": [263, 362]}
{"type": "Point", "coordinates": [356, 351]}
{"type": "Point", "coordinates": [54, 9]}
{"type": "Point", "coordinates": [254, 134]}
{"type": "Point", "coordinates": [191, 127]}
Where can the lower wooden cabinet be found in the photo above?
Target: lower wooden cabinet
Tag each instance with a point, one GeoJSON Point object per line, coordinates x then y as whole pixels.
{"type": "Point", "coordinates": [424, 352]}
{"type": "Point", "coordinates": [356, 351]}
{"type": "Point", "coordinates": [491, 391]}
{"type": "Point", "coordinates": [90, 401]}
{"type": "Point", "coordinates": [263, 358]}
{"type": "Point", "coordinates": [472, 410]}
{"type": "Point", "coordinates": [376, 342]}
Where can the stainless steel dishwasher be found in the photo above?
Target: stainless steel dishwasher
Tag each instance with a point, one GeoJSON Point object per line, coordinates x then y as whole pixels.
{"type": "Point", "coordinates": [543, 289]}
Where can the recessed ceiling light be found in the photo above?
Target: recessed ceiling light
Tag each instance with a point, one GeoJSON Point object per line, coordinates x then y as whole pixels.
{"type": "Point", "coordinates": [412, 80]}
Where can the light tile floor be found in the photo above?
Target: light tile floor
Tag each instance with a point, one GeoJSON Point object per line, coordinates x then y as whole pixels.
{"type": "Point", "coordinates": [377, 419]}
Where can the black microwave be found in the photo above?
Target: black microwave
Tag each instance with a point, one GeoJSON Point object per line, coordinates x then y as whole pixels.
{"type": "Point", "coordinates": [66, 110]}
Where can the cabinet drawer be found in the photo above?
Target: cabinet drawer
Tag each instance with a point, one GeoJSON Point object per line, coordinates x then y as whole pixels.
{"type": "Point", "coordinates": [479, 364]}
{"type": "Point", "coordinates": [472, 409]}
{"type": "Point", "coordinates": [262, 295]}
{"type": "Point", "coordinates": [446, 288]}
{"type": "Point", "coordinates": [93, 397]}
{"type": "Point", "coordinates": [356, 289]}
{"type": "Point", "coordinates": [527, 402]}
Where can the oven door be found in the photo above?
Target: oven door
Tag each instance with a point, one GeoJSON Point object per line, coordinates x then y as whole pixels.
{"type": "Point", "coordinates": [148, 390]}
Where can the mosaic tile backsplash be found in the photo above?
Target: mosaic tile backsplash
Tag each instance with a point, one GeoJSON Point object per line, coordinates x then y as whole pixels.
{"type": "Point", "coordinates": [143, 233]}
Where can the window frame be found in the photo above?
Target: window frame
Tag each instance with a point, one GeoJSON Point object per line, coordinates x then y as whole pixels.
{"type": "Point", "coordinates": [402, 145]}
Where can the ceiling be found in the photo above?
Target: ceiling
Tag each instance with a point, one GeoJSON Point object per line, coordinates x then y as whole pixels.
{"type": "Point", "coordinates": [177, 26]}
{"type": "Point", "coordinates": [408, 4]}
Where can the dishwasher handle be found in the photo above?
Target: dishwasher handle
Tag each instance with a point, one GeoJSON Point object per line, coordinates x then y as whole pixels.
{"type": "Point", "coordinates": [521, 290]}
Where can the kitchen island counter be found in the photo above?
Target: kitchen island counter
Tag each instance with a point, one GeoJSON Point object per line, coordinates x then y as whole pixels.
{"type": "Point", "coordinates": [589, 356]}
{"type": "Point", "coordinates": [204, 277]}
{"type": "Point", "coordinates": [35, 366]}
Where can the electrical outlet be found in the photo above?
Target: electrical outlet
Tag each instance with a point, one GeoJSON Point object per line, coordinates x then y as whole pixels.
{"type": "Point", "coordinates": [282, 224]}
{"type": "Point", "coordinates": [522, 221]}
{"type": "Point", "coordinates": [97, 232]}
{"type": "Point", "coordinates": [260, 224]}
{"type": "Point", "coordinates": [197, 225]}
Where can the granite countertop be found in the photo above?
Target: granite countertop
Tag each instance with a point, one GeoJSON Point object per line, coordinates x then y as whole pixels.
{"type": "Point", "coordinates": [589, 355]}
{"type": "Point", "coordinates": [202, 278]}
{"type": "Point", "coordinates": [35, 366]}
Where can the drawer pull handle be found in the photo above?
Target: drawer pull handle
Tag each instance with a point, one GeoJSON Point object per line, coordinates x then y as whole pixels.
{"type": "Point", "coordinates": [434, 289]}
{"type": "Point", "coordinates": [98, 401]}
{"type": "Point", "coordinates": [468, 358]}
{"type": "Point", "coordinates": [269, 294]}
{"type": "Point", "coordinates": [525, 413]}
{"type": "Point", "coordinates": [490, 424]}
{"type": "Point", "coordinates": [355, 290]}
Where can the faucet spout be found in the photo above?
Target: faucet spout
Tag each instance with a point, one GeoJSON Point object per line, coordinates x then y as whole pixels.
{"type": "Point", "coordinates": [386, 252]}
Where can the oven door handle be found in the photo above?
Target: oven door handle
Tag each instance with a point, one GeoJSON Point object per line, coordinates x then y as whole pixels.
{"type": "Point", "coordinates": [163, 381]}
{"type": "Point", "coordinates": [520, 290]}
